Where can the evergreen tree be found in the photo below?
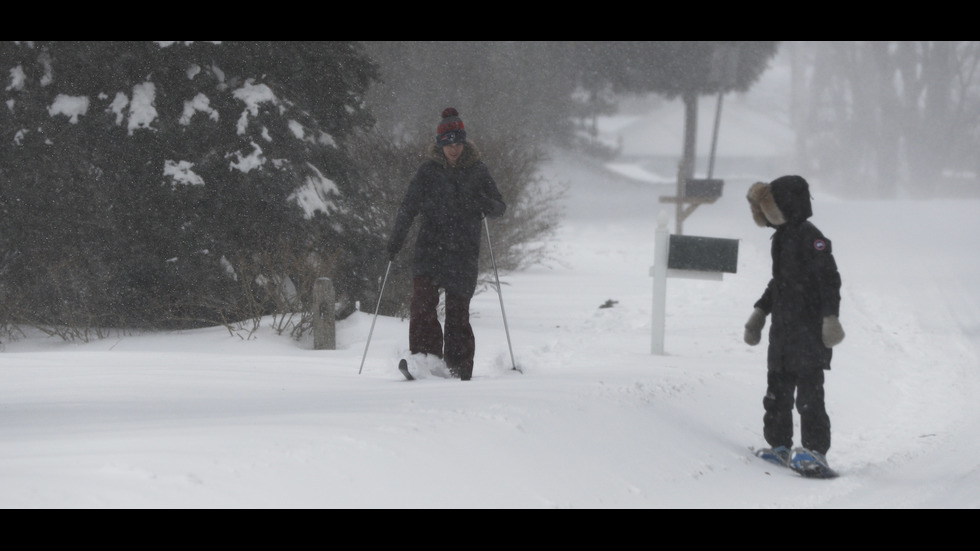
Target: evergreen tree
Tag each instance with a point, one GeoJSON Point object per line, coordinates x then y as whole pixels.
{"type": "Point", "coordinates": [148, 183]}
{"type": "Point", "coordinates": [879, 118]}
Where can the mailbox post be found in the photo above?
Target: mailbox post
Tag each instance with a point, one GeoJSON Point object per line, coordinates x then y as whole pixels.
{"type": "Point", "coordinates": [688, 257]}
{"type": "Point", "coordinates": [659, 273]}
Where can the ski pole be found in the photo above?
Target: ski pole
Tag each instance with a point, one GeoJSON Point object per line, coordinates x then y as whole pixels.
{"type": "Point", "coordinates": [376, 308]}
{"type": "Point", "coordinates": [501, 296]}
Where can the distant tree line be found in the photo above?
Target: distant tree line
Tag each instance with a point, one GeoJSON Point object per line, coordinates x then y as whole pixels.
{"type": "Point", "coordinates": [548, 92]}
{"type": "Point", "coordinates": [878, 118]}
{"type": "Point", "coordinates": [173, 185]}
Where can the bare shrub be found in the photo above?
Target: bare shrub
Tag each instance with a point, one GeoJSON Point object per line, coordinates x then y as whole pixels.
{"type": "Point", "coordinates": [520, 238]}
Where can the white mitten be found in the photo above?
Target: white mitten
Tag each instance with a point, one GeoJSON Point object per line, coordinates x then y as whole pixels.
{"type": "Point", "coordinates": [753, 327]}
{"type": "Point", "coordinates": [833, 333]}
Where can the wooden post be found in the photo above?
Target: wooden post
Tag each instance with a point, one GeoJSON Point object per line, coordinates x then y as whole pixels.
{"type": "Point", "coordinates": [324, 324]}
{"type": "Point", "coordinates": [714, 136]}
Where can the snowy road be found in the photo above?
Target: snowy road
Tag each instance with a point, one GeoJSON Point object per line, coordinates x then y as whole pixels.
{"type": "Point", "coordinates": [208, 419]}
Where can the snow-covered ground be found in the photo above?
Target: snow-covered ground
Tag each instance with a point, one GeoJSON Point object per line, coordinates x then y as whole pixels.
{"type": "Point", "coordinates": [205, 419]}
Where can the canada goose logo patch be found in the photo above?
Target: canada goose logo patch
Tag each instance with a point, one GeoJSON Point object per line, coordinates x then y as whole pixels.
{"type": "Point", "coordinates": [820, 245]}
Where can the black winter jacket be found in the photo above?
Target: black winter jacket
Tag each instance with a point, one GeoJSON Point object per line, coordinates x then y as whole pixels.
{"type": "Point", "coordinates": [451, 203]}
{"type": "Point", "coordinates": [805, 284]}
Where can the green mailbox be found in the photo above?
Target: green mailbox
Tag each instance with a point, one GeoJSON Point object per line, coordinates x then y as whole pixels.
{"type": "Point", "coordinates": [702, 254]}
{"type": "Point", "coordinates": [706, 190]}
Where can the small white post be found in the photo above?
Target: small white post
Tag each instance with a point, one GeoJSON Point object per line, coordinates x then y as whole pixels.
{"type": "Point", "coordinates": [324, 326]}
{"type": "Point", "coordinates": [659, 273]}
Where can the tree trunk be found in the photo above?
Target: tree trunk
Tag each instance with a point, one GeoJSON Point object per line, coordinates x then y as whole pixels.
{"type": "Point", "coordinates": [686, 168]}
{"type": "Point", "coordinates": [690, 134]}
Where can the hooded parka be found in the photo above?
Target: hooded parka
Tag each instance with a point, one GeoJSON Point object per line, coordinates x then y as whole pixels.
{"type": "Point", "coordinates": [451, 203]}
{"type": "Point", "coordinates": [805, 284]}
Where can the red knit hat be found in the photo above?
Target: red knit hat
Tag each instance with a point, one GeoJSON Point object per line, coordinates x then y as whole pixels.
{"type": "Point", "coordinates": [450, 130]}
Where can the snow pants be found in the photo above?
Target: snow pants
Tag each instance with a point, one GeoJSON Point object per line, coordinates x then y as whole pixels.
{"type": "Point", "coordinates": [778, 404]}
{"type": "Point", "coordinates": [456, 345]}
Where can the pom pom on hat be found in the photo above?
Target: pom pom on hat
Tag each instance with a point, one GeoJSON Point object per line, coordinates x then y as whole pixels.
{"type": "Point", "coordinates": [450, 129]}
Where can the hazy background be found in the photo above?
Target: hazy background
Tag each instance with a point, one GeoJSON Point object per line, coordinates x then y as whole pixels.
{"type": "Point", "coordinates": [870, 118]}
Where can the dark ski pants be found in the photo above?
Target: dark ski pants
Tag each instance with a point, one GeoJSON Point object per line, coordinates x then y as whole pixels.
{"type": "Point", "coordinates": [778, 403]}
{"type": "Point", "coordinates": [457, 345]}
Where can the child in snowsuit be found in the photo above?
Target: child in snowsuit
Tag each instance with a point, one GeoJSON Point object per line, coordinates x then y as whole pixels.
{"type": "Point", "coordinates": [803, 297]}
{"type": "Point", "coordinates": [451, 193]}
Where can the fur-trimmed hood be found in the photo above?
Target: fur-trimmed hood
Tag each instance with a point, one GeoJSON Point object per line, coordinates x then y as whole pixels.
{"type": "Point", "coordinates": [764, 209]}
{"type": "Point", "coordinates": [785, 199]}
{"type": "Point", "coordinates": [471, 155]}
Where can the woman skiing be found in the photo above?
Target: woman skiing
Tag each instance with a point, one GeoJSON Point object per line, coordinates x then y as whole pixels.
{"type": "Point", "coordinates": [451, 193]}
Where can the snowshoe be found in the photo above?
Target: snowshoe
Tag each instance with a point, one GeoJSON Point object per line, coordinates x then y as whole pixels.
{"type": "Point", "coordinates": [403, 367]}
{"type": "Point", "coordinates": [779, 455]}
{"type": "Point", "coordinates": [422, 366]}
{"type": "Point", "coordinates": [811, 464]}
